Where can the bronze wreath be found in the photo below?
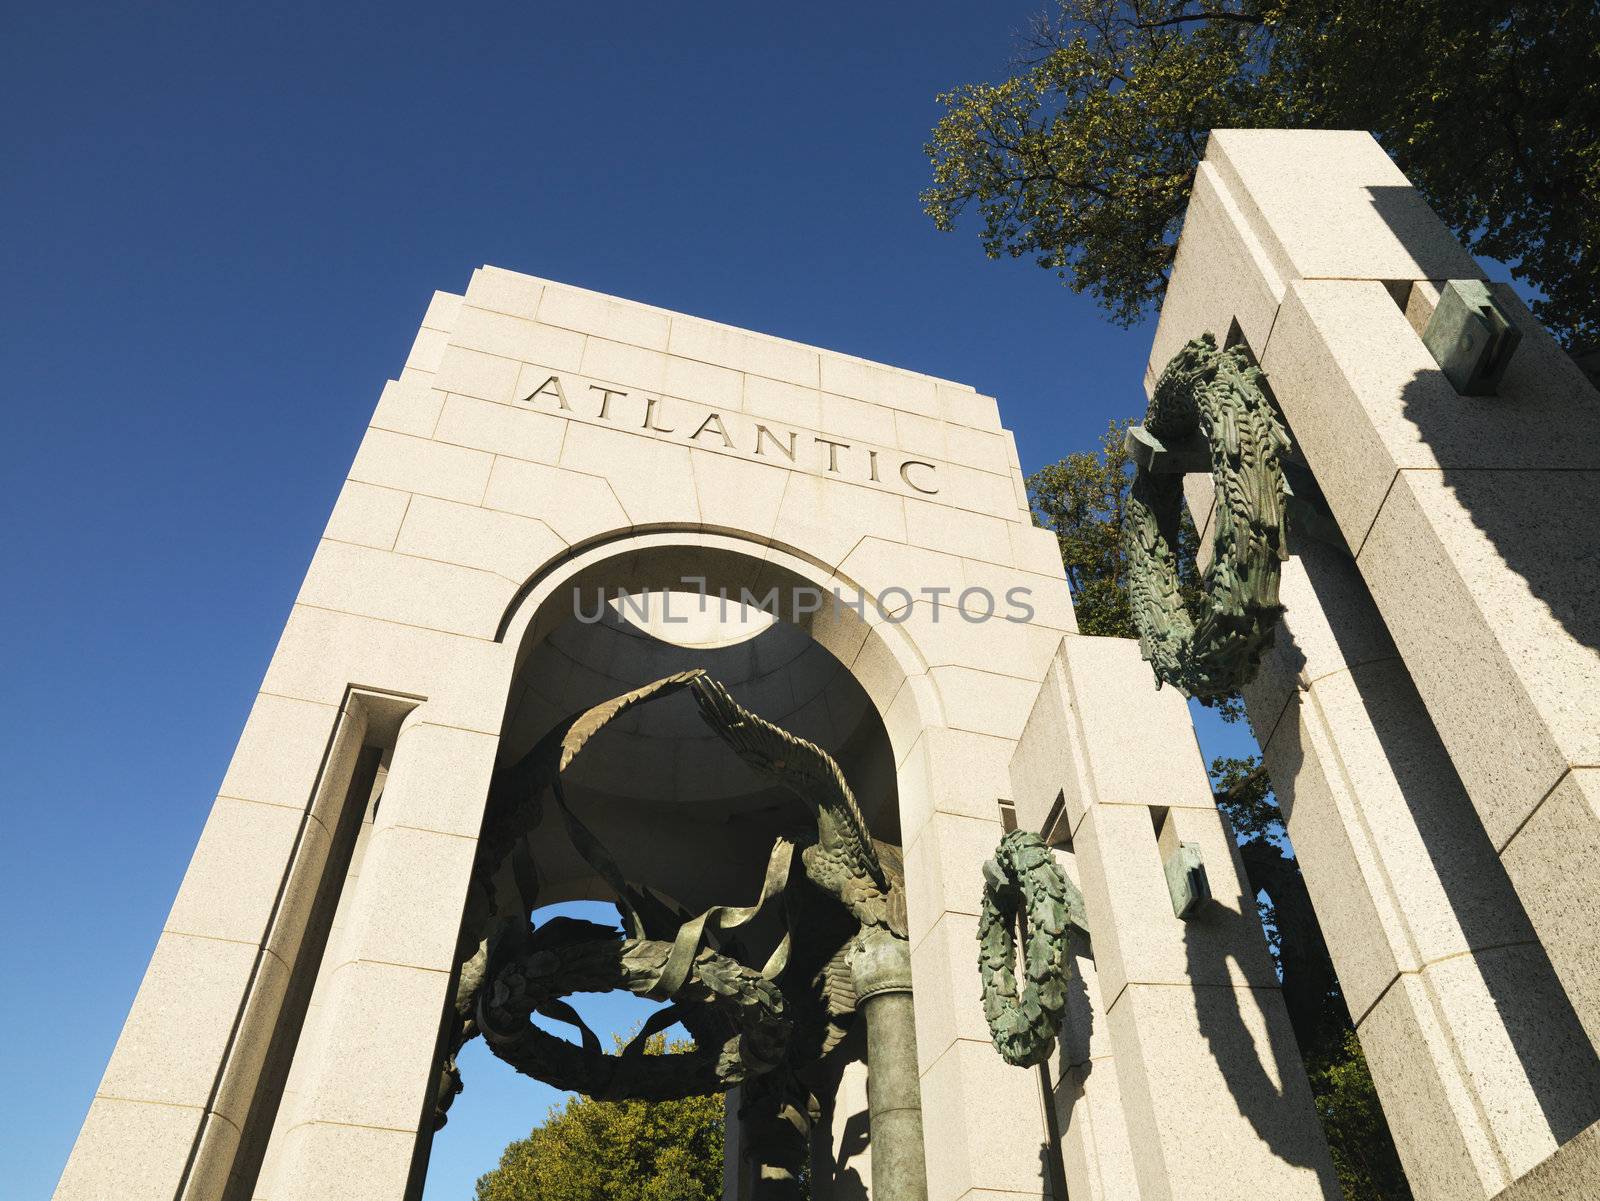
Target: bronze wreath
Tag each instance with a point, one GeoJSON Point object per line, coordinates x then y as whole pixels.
{"type": "Point", "coordinates": [1023, 878]}
{"type": "Point", "coordinates": [1208, 407]}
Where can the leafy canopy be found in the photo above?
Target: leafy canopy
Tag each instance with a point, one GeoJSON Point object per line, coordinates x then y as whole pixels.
{"type": "Point", "coordinates": [589, 1150]}
{"type": "Point", "coordinates": [1084, 158]}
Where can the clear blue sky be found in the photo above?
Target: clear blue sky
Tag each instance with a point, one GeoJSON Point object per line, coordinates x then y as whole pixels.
{"type": "Point", "coordinates": [222, 224]}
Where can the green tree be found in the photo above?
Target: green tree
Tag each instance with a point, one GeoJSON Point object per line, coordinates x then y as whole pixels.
{"type": "Point", "coordinates": [1084, 158]}
{"type": "Point", "coordinates": [588, 1150]}
{"type": "Point", "coordinates": [1081, 499]}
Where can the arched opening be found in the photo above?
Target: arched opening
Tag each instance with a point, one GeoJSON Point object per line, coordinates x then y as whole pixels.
{"type": "Point", "coordinates": [671, 802]}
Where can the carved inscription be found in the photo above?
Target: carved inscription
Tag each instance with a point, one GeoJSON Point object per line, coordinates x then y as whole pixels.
{"type": "Point", "coordinates": [737, 432]}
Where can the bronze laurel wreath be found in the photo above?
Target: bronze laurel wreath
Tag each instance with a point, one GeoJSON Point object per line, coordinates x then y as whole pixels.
{"type": "Point", "coordinates": [1023, 878]}
{"type": "Point", "coordinates": [1210, 654]}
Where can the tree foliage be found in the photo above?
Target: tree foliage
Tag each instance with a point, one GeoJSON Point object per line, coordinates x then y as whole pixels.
{"type": "Point", "coordinates": [589, 1150]}
{"type": "Point", "coordinates": [1081, 499]}
{"type": "Point", "coordinates": [1084, 158]}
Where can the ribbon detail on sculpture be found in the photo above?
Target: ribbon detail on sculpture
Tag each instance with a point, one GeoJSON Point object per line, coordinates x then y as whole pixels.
{"type": "Point", "coordinates": [1207, 403]}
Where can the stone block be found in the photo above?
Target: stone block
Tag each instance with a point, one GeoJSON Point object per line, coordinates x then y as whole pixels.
{"type": "Point", "coordinates": [962, 405]}
{"type": "Point", "coordinates": [327, 1162]}
{"type": "Point", "coordinates": [919, 435]}
{"type": "Point", "coordinates": [1136, 937]}
{"type": "Point", "coordinates": [1047, 766]}
{"type": "Point", "coordinates": [1211, 1079]}
{"type": "Point", "coordinates": [1139, 744]}
{"type": "Point", "coordinates": [944, 868]}
{"type": "Point", "coordinates": [878, 565]}
{"type": "Point", "coordinates": [367, 515]}
{"type": "Point", "coordinates": [279, 756]}
{"type": "Point", "coordinates": [953, 771]}
{"type": "Point", "coordinates": [983, 1126]}
{"type": "Point", "coordinates": [651, 479]}
{"type": "Point", "coordinates": [1551, 862]}
{"type": "Point", "coordinates": [827, 517]}
{"type": "Point", "coordinates": [466, 679]}
{"type": "Point", "coordinates": [427, 349]}
{"type": "Point", "coordinates": [754, 354]}
{"type": "Point", "coordinates": [172, 1046]}
{"type": "Point", "coordinates": [502, 291]}
{"type": "Point", "coordinates": [738, 495]}
{"type": "Point", "coordinates": [474, 373]}
{"type": "Point", "coordinates": [130, 1150]}
{"type": "Point", "coordinates": [521, 433]}
{"type": "Point", "coordinates": [240, 868]}
{"type": "Point", "coordinates": [410, 895]}
{"type": "Point", "coordinates": [512, 547]}
{"type": "Point", "coordinates": [1501, 634]}
{"type": "Point", "coordinates": [378, 1071]}
{"type": "Point", "coordinates": [948, 1003]}
{"type": "Point", "coordinates": [779, 401]}
{"type": "Point", "coordinates": [1222, 274]}
{"type": "Point", "coordinates": [406, 589]}
{"type": "Point", "coordinates": [633, 367]}
{"type": "Point", "coordinates": [1021, 596]}
{"type": "Point", "coordinates": [1095, 1150]}
{"type": "Point", "coordinates": [1329, 203]}
{"type": "Point", "coordinates": [878, 384]}
{"type": "Point", "coordinates": [983, 702]}
{"type": "Point", "coordinates": [443, 309]}
{"type": "Point", "coordinates": [439, 780]}
{"type": "Point", "coordinates": [517, 339]}
{"type": "Point", "coordinates": [1035, 550]}
{"type": "Point", "coordinates": [408, 408]}
{"type": "Point", "coordinates": [955, 531]}
{"type": "Point", "coordinates": [704, 383]}
{"type": "Point", "coordinates": [576, 506]}
{"type": "Point", "coordinates": [844, 417]}
{"type": "Point", "coordinates": [417, 465]}
{"type": "Point", "coordinates": [604, 316]}
{"type": "Point", "coordinates": [980, 449]}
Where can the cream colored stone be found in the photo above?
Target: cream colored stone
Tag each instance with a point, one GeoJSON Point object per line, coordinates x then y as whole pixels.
{"type": "Point", "coordinates": [130, 1151]}
{"type": "Point", "coordinates": [981, 491]}
{"type": "Point", "coordinates": [982, 1125]}
{"type": "Point", "coordinates": [1217, 1102]}
{"type": "Point", "coordinates": [408, 408]}
{"type": "Point", "coordinates": [828, 518]}
{"type": "Point", "coordinates": [443, 309]}
{"type": "Point", "coordinates": [413, 883]}
{"type": "Point", "coordinates": [706, 383]}
{"type": "Point", "coordinates": [944, 868]}
{"type": "Point", "coordinates": [427, 350]}
{"type": "Point", "coordinates": [474, 373]}
{"type": "Point", "coordinates": [1330, 203]}
{"type": "Point", "coordinates": [955, 531]}
{"type": "Point", "coordinates": [347, 1163]}
{"type": "Point", "coordinates": [172, 1044]}
{"type": "Point", "coordinates": [791, 404]}
{"type": "Point", "coordinates": [1222, 274]}
{"type": "Point", "coordinates": [625, 364]}
{"type": "Point", "coordinates": [878, 384]}
{"type": "Point", "coordinates": [517, 339]}
{"type": "Point", "coordinates": [439, 780]}
{"type": "Point", "coordinates": [651, 479]}
{"type": "Point", "coordinates": [920, 435]}
{"type": "Point", "coordinates": [575, 505]}
{"type": "Point", "coordinates": [518, 432]}
{"type": "Point", "coordinates": [280, 753]}
{"type": "Point", "coordinates": [417, 465]}
{"type": "Point", "coordinates": [604, 316]}
{"type": "Point", "coordinates": [378, 1070]}
{"type": "Point", "coordinates": [983, 702]}
{"type": "Point", "coordinates": [945, 969]}
{"type": "Point", "coordinates": [1479, 590]}
{"type": "Point", "coordinates": [409, 590]}
{"type": "Point", "coordinates": [465, 679]}
{"type": "Point", "coordinates": [235, 879]}
{"type": "Point", "coordinates": [738, 495]}
{"type": "Point", "coordinates": [367, 515]}
{"type": "Point", "coordinates": [754, 354]}
{"type": "Point", "coordinates": [845, 417]}
{"type": "Point", "coordinates": [1035, 550]}
{"type": "Point", "coordinates": [1048, 774]}
{"type": "Point", "coordinates": [1139, 745]}
{"type": "Point", "coordinates": [502, 291]}
{"type": "Point", "coordinates": [952, 771]}
{"type": "Point", "coordinates": [960, 405]}
{"type": "Point", "coordinates": [1550, 860]}
{"type": "Point", "coordinates": [510, 546]}
{"type": "Point", "coordinates": [1021, 596]}
{"type": "Point", "coordinates": [980, 449]}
